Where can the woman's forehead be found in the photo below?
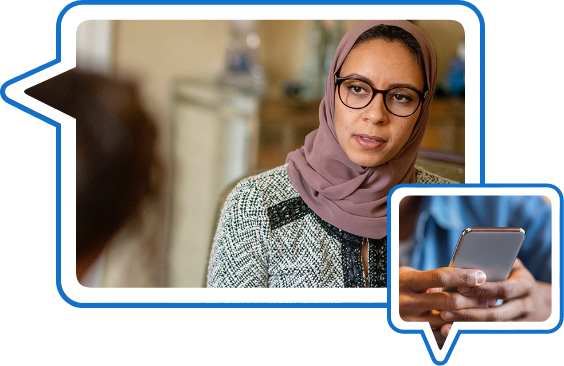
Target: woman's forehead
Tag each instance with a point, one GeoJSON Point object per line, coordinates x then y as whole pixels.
{"type": "Point", "coordinates": [383, 62]}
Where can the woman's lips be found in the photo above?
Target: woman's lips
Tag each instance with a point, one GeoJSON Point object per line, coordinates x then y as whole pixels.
{"type": "Point", "coordinates": [369, 142]}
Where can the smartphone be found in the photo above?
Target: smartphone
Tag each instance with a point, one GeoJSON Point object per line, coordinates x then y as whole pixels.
{"type": "Point", "coordinates": [490, 249]}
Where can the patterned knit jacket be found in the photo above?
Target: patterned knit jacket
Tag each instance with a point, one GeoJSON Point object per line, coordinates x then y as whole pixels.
{"type": "Point", "coordinates": [268, 237]}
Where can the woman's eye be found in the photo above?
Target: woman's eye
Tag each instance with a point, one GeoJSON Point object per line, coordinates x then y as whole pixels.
{"type": "Point", "coordinates": [402, 98]}
{"type": "Point", "coordinates": [356, 89]}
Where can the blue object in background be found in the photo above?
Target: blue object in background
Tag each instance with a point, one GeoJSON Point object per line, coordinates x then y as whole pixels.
{"type": "Point", "coordinates": [456, 73]}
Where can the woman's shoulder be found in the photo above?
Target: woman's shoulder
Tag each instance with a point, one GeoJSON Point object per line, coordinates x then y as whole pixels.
{"type": "Point", "coordinates": [425, 176]}
{"type": "Point", "coordinates": [271, 187]}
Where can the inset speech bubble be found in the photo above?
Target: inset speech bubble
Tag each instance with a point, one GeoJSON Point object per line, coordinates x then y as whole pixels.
{"type": "Point", "coordinates": [441, 355]}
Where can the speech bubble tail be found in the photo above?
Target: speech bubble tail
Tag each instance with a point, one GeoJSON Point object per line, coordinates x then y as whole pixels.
{"type": "Point", "coordinates": [440, 351]}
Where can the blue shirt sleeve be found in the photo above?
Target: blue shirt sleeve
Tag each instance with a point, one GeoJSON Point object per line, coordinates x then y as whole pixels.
{"type": "Point", "coordinates": [443, 218]}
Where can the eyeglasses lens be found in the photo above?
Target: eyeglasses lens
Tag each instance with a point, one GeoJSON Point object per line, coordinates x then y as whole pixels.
{"type": "Point", "coordinates": [358, 94]}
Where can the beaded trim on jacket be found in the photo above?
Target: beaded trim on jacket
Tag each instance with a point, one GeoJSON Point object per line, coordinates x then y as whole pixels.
{"type": "Point", "coordinates": [268, 237]}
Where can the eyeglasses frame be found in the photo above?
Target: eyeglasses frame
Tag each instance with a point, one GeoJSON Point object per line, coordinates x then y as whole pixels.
{"type": "Point", "coordinates": [339, 81]}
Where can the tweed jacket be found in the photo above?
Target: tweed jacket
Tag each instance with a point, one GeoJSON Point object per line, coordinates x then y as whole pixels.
{"type": "Point", "coordinates": [268, 237]}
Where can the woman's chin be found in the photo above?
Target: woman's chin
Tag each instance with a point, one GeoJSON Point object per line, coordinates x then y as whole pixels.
{"type": "Point", "coordinates": [368, 162]}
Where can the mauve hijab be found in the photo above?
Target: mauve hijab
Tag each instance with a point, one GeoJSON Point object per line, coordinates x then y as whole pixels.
{"type": "Point", "coordinates": [342, 193]}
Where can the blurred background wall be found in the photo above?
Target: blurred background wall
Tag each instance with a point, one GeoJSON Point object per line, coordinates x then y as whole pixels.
{"type": "Point", "coordinates": [218, 122]}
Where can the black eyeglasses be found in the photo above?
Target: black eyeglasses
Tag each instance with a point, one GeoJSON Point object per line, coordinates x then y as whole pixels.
{"type": "Point", "coordinates": [358, 94]}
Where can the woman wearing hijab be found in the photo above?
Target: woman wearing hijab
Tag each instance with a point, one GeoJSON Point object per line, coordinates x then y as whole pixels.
{"type": "Point", "coordinates": [320, 219]}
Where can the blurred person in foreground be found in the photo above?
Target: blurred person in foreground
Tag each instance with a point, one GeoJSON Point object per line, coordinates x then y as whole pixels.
{"type": "Point", "coordinates": [117, 166]}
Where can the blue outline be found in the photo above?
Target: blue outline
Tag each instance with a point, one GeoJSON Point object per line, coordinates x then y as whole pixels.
{"type": "Point", "coordinates": [282, 305]}
{"type": "Point", "coordinates": [58, 157]}
{"type": "Point", "coordinates": [226, 2]}
{"type": "Point", "coordinates": [475, 331]}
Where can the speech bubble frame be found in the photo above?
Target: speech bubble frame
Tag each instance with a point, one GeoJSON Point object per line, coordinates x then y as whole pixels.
{"type": "Point", "coordinates": [77, 12]}
{"type": "Point", "coordinates": [13, 94]}
{"type": "Point", "coordinates": [442, 355]}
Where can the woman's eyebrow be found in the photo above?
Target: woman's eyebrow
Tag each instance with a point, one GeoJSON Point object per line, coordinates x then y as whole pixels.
{"type": "Point", "coordinates": [401, 85]}
{"type": "Point", "coordinates": [368, 81]}
{"type": "Point", "coordinates": [359, 77]}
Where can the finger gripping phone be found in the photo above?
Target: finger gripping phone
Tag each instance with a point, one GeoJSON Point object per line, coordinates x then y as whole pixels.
{"type": "Point", "coordinates": [490, 249]}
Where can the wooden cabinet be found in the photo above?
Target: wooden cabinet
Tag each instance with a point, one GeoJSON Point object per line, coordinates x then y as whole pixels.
{"type": "Point", "coordinates": [445, 129]}
{"type": "Point", "coordinates": [284, 123]}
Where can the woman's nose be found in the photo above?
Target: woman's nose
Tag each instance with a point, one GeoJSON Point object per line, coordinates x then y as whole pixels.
{"type": "Point", "coordinates": [376, 111]}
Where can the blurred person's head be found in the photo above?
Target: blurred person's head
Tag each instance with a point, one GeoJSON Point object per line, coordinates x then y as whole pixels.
{"type": "Point", "coordinates": [117, 165]}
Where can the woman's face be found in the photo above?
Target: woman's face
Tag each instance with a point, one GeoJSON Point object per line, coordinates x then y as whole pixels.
{"type": "Point", "coordinates": [371, 136]}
